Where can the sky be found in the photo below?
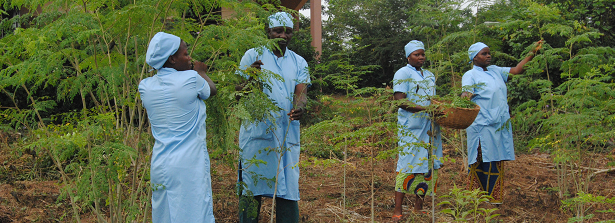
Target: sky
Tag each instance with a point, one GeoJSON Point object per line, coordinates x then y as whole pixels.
{"type": "Point", "coordinates": [306, 12]}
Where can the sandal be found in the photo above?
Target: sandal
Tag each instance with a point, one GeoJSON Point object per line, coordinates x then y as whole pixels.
{"type": "Point", "coordinates": [396, 218]}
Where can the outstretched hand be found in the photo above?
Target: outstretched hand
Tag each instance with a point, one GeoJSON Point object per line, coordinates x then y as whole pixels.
{"type": "Point", "coordinates": [538, 46]}
{"type": "Point", "coordinates": [296, 114]}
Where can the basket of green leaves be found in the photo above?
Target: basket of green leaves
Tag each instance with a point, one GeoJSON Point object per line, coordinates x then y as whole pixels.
{"type": "Point", "coordinates": [457, 112]}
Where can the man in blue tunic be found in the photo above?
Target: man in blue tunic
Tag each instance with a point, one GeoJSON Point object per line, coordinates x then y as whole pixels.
{"type": "Point", "coordinates": [414, 85]}
{"type": "Point", "coordinates": [173, 98]}
{"type": "Point", "coordinates": [490, 139]}
{"type": "Point", "coordinates": [275, 142]}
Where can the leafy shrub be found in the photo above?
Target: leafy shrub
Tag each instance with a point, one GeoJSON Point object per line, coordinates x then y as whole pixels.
{"type": "Point", "coordinates": [463, 205]}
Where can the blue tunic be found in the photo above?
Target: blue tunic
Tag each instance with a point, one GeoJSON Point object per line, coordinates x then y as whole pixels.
{"type": "Point", "coordinates": [491, 127]}
{"type": "Point", "coordinates": [257, 139]}
{"type": "Point", "coordinates": [413, 127]}
{"type": "Point", "coordinates": [180, 178]}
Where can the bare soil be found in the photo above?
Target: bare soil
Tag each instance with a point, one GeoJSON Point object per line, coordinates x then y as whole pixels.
{"type": "Point", "coordinates": [529, 196]}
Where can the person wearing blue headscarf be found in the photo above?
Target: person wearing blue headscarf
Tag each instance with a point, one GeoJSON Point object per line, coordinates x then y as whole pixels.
{"type": "Point", "coordinates": [414, 86]}
{"type": "Point", "coordinates": [173, 98]}
{"type": "Point", "coordinates": [275, 142]}
{"type": "Point", "coordinates": [489, 138]}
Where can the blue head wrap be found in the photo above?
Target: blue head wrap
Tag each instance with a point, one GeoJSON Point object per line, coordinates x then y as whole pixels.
{"type": "Point", "coordinates": [280, 19]}
{"type": "Point", "coordinates": [475, 48]}
{"type": "Point", "coordinates": [412, 46]}
{"type": "Point", "coordinates": [160, 48]}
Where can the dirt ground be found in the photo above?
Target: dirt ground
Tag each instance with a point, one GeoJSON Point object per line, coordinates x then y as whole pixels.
{"type": "Point", "coordinates": [529, 195]}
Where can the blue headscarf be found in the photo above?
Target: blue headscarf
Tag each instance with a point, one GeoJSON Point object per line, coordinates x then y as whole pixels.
{"type": "Point", "coordinates": [280, 19]}
{"type": "Point", "coordinates": [412, 46]}
{"type": "Point", "coordinates": [160, 48]}
{"type": "Point", "coordinates": [474, 49]}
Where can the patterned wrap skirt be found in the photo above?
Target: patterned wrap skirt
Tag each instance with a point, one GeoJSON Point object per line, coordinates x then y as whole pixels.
{"type": "Point", "coordinates": [487, 176]}
{"type": "Point", "coordinates": [417, 183]}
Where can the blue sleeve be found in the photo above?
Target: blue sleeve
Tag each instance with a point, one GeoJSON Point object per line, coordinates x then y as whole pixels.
{"type": "Point", "coordinates": [402, 82]}
{"type": "Point", "coordinates": [303, 76]}
{"type": "Point", "coordinates": [505, 71]}
{"type": "Point", "coordinates": [468, 80]}
{"type": "Point", "coordinates": [142, 88]}
{"type": "Point", "coordinates": [502, 71]}
{"type": "Point", "coordinates": [248, 59]}
{"type": "Point", "coordinates": [202, 87]}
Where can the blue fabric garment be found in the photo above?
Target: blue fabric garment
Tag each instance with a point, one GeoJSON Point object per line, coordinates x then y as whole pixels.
{"type": "Point", "coordinates": [256, 139]}
{"type": "Point", "coordinates": [412, 46]}
{"type": "Point", "coordinates": [491, 127]}
{"type": "Point", "coordinates": [474, 49]}
{"type": "Point", "coordinates": [160, 48]}
{"type": "Point", "coordinates": [280, 19]}
{"type": "Point", "coordinates": [180, 177]}
{"type": "Point", "coordinates": [413, 127]}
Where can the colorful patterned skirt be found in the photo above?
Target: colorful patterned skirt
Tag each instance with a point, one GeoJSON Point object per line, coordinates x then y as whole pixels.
{"type": "Point", "coordinates": [487, 176]}
{"type": "Point", "coordinates": [416, 183]}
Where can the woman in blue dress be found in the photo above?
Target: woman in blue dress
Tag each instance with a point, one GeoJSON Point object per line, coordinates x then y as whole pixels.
{"type": "Point", "coordinates": [414, 85]}
{"type": "Point", "coordinates": [490, 136]}
{"type": "Point", "coordinates": [173, 98]}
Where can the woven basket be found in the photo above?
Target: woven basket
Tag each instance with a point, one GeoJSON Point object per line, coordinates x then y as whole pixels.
{"type": "Point", "coordinates": [457, 118]}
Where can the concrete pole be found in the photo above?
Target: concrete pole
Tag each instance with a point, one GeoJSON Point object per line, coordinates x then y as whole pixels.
{"type": "Point", "coordinates": [316, 25]}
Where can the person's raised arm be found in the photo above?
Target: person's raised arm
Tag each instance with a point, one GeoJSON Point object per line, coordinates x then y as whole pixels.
{"type": "Point", "coordinates": [519, 68]}
{"type": "Point", "coordinates": [201, 68]}
{"type": "Point", "coordinates": [406, 105]}
{"type": "Point", "coordinates": [299, 102]}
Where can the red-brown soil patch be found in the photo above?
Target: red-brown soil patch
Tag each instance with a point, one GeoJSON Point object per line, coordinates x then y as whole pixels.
{"type": "Point", "coordinates": [529, 197]}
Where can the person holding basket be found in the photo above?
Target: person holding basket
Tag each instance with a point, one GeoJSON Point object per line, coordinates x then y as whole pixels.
{"type": "Point", "coordinates": [414, 86]}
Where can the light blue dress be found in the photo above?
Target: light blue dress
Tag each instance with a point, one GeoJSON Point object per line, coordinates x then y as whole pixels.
{"type": "Point", "coordinates": [180, 177]}
{"type": "Point", "coordinates": [491, 127]}
{"type": "Point", "coordinates": [257, 139]}
{"type": "Point", "coordinates": [413, 127]}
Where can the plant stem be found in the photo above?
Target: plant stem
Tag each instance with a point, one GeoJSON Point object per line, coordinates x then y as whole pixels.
{"type": "Point", "coordinates": [344, 194]}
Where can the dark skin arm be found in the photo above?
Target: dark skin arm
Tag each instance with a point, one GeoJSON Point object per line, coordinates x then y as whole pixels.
{"type": "Point", "coordinates": [406, 106]}
{"type": "Point", "coordinates": [517, 69]}
{"type": "Point", "coordinates": [201, 68]}
{"type": "Point", "coordinates": [299, 101]}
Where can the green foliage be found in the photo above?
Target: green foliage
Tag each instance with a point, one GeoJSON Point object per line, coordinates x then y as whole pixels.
{"type": "Point", "coordinates": [589, 200]}
{"type": "Point", "coordinates": [341, 73]}
{"type": "Point", "coordinates": [581, 112]}
{"type": "Point", "coordinates": [87, 58]}
{"type": "Point", "coordinates": [463, 205]}
{"type": "Point", "coordinates": [363, 121]}
{"type": "Point", "coordinates": [69, 77]}
{"type": "Point", "coordinates": [99, 168]}
{"type": "Point", "coordinates": [595, 13]}
{"type": "Point", "coordinates": [377, 27]}
{"type": "Point", "coordinates": [454, 101]}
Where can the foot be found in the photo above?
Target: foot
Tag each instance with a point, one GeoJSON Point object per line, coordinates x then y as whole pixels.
{"type": "Point", "coordinates": [421, 212]}
{"type": "Point", "coordinates": [396, 218]}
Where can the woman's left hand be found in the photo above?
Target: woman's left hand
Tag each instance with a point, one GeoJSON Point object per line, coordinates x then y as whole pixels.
{"type": "Point", "coordinates": [199, 66]}
{"type": "Point", "coordinates": [296, 114]}
{"type": "Point", "coordinates": [538, 46]}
